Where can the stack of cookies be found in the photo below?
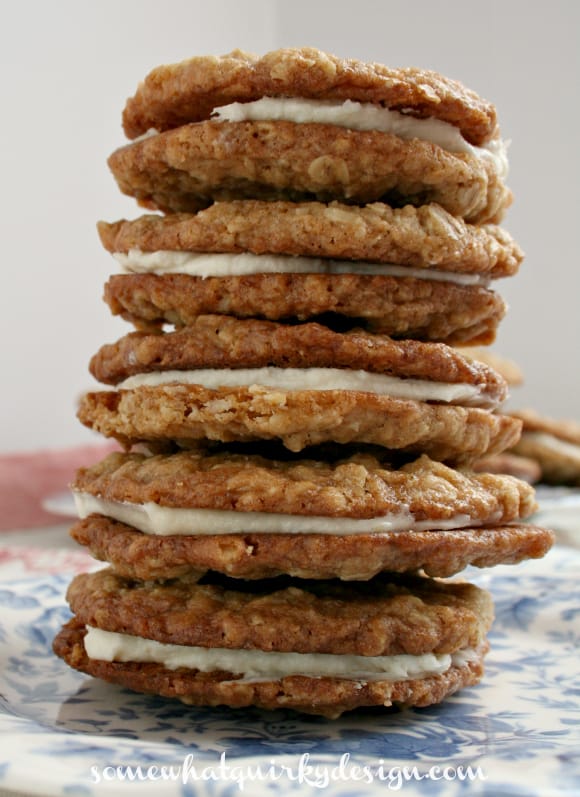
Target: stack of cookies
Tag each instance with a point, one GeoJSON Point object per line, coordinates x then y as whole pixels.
{"type": "Point", "coordinates": [298, 427]}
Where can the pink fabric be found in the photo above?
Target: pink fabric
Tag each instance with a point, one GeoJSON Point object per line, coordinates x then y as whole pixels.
{"type": "Point", "coordinates": [27, 479]}
{"type": "Point", "coordinates": [20, 561]}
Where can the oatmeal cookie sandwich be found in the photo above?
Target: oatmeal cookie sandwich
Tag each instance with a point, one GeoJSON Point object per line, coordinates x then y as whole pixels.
{"type": "Point", "coordinates": [553, 444]}
{"type": "Point", "coordinates": [302, 124]}
{"type": "Point", "coordinates": [317, 647]}
{"type": "Point", "coordinates": [350, 516]}
{"type": "Point", "coordinates": [406, 272]}
{"type": "Point", "coordinates": [227, 379]}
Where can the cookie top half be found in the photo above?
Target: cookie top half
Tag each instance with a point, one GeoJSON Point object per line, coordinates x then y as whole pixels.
{"type": "Point", "coordinates": [565, 430]}
{"type": "Point", "coordinates": [386, 617]}
{"type": "Point", "coordinates": [176, 94]}
{"type": "Point", "coordinates": [421, 494]}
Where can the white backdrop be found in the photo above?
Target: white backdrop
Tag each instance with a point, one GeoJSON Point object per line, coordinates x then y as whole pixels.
{"type": "Point", "coordinates": [67, 68]}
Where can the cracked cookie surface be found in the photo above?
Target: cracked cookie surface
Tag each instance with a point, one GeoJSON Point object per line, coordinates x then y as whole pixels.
{"type": "Point", "coordinates": [360, 486]}
{"type": "Point", "coordinates": [297, 418]}
{"type": "Point", "coordinates": [384, 617]}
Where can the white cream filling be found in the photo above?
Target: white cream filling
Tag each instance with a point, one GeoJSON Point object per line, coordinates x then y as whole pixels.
{"type": "Point", "coordinates": [363, 116]}
{"type": "Point", "coordinates": [554, 444]}
{"type": "Point", "coordinates": [233, 265]}
{"type": "Point", "coordinates": [258, 665]}
{"type": "Point", "coordinates": [314, 379]}
{"type": "Point", "coordinates": [152, 131]}
{"type": "Point", "coordinates": [152, 518]}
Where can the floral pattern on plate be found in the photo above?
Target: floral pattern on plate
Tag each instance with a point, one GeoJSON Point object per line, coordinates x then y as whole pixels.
{"type": "Point", "coordinates": [66, 734]}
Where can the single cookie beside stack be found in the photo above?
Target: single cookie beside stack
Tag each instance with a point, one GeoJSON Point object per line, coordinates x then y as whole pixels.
{"type": "Point", "coordinates": [299, 430]}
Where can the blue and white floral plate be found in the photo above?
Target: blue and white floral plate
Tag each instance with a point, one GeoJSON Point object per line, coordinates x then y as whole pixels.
{"type": "Point", "coordinates": [62, 733]}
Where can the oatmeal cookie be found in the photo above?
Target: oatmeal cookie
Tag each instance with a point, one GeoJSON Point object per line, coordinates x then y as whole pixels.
{"type": "Point", "coordinates": [297, 418]}
{"type": "Point", "coordinates": [358, 487]}
{"type": "Point", "coordinates": [553, 444]}
{"type": "Point", "coordinates": [396, 306]}
{"type": "Point", "coordinates": [350, 557]}
{"type": "Point", "coordinates": [223, 342]}
{"type": "Point", "coordinates": [387, 616]}
{"type": "Point", "coordinates": [172, 95]}
{"type": "Point", "coordinates": [421, 237]}
{"type": "Point", "coordinates": [188, 168]}
{"type": "Point", "coordinates": [565, 430]}
{"type": "Point", "coordinates": [523, 468]}
{"type": "Point", "coordinates": [510, 370]}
